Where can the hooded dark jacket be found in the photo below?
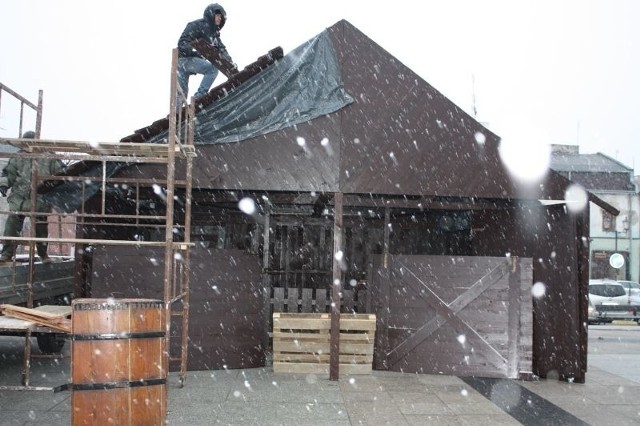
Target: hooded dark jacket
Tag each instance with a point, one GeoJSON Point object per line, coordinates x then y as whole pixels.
{"type": "Point", "coordinates": [203, 28]}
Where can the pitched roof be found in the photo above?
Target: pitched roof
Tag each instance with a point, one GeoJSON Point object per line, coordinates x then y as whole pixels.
{"type": "Point", "coordinates": [595, 172]}
{"type": "Point", "coordinates": [574, 162]}
{"type": "Point", "coordinates": [400, 136]}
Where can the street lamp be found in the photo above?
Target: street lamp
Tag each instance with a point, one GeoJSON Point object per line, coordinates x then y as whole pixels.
{"type": "Point", "coordinates": [625, 229]}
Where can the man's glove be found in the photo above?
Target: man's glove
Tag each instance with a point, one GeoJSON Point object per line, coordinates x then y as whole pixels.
{"type": "Point", "coordinates": [3, 190]}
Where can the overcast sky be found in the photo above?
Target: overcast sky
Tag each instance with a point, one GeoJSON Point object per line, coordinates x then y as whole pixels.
{"type": "Point", "coordinates": [562, 71]}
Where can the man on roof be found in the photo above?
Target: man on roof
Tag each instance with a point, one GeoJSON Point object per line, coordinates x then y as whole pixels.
{"type": "Point", "coordinates": [190, 62]}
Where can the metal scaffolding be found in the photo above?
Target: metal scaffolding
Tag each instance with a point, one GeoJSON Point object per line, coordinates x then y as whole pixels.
{"type": "Point", "coordinates": [178, 147]}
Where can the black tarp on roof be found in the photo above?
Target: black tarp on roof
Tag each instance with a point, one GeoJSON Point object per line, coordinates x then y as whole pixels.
{"type": "Point", "coordinates": [304, 85]}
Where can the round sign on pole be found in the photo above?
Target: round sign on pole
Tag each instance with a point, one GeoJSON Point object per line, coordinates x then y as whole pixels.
{"type": "Point", "coordinates": [616, 260]}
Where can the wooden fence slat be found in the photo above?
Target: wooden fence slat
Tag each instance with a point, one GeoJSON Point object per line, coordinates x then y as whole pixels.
{"type": "Point", "coordinates": [308, 304]}
{"type": "Point", "coordinates": [278, 299]}
{"type": "Point", "coordinates": [362, 304]}
{"type": "Point", "coordinates": [292, 300]}
{"type": "Point", "coordinates": [321, 300]}
{"type": "Point", "coordinates": [307, 300]}
{"type": "Point", "coordinates": [347, 300]}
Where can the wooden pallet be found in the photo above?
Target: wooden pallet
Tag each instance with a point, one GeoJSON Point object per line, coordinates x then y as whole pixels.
{"type": "Point", "coordinates": [301, 343]}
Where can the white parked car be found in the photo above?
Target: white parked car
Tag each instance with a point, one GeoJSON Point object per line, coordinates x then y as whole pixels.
{"type": "Point", "coordinates": [607, 295]}
{"type": "Point", "coordinates": [633, 291]}
{"type": "Point", "coordinates": [593, 314]}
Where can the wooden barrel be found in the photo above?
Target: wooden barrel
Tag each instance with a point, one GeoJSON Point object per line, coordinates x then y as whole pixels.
{"type": "Point", "coordinates": [118, 362]}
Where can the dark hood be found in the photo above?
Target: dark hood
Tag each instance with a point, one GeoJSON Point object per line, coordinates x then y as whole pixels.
{"type": "Point", "coordinates": [211, 10]}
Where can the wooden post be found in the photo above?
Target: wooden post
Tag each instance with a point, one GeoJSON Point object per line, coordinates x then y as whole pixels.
{"type": "Point", "coordinates": [32, 230]}
{"type": "Point", "coordinates": [266, 279]}
{"type": "Point", "coordinates": [20, 126]}
{"type": "Point", "coordinates": [184, 290]}
{"type": "Point", "coordinates": [336, 287]}
{"type": "Point", "coordinates": [513, 320]}
{"type": "Point", "coordinates": [169, 215]}
{"type": "Point", "coordinates": [387, 232]}
{"type": "Point", "coordinates": [26, 360]}
{"type": "Point", "coordinates": [582, 256]}
{"type": "Point", "coordinates": [382, 300]}
{"type": "Point", "coordinates": [39, 114]}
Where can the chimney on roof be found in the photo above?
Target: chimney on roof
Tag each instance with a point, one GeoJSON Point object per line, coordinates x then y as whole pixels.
{"type": "Point", "coordinates": [565, 149]}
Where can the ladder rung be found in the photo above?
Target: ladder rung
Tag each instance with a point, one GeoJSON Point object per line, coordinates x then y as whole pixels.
{"type": "Point", "coordinates": [178, 297]}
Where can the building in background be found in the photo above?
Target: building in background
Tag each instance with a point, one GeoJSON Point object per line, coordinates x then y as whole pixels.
{"type": "Point", "coordinates": [614, 183]}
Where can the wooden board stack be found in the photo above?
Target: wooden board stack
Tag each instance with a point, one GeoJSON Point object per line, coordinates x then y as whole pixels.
{"type": "Point", "coordinates": [53, 316]}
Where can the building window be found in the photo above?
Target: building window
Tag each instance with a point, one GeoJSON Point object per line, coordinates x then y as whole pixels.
{"type": "Point", "coordinates": [608, 221]}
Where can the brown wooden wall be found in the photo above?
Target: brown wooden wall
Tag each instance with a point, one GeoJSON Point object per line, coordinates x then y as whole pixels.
{"type": "Point", "coordinates": [556, 241]}
{"type": "Point", "coordinates": [226, 316]}
{"type": "Point", "coordinates": [299, 257]}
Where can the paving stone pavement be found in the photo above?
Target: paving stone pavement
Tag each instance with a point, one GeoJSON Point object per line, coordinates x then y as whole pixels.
{"type": "Point", "coordinates": [611, 395]}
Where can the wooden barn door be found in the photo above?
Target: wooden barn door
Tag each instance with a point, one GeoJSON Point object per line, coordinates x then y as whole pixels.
{"type": "Point", "coordinates": [455, 315]}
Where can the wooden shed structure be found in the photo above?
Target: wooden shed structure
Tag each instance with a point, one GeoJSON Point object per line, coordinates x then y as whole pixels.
{"type": "Point", "coordinates": [437, 239]}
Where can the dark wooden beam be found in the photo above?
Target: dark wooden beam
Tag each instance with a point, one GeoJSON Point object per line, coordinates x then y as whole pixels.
{"type": "Point", "coordinates": [581, 223]}
{"type": "Point", "coordinates": [266, 279]}
{"type": "Point", "coordinates": [513, 317]}
{"type": "Point", "coordinates": [424, 203]}
{"type": "Point", "coordinates": [336, 287]}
